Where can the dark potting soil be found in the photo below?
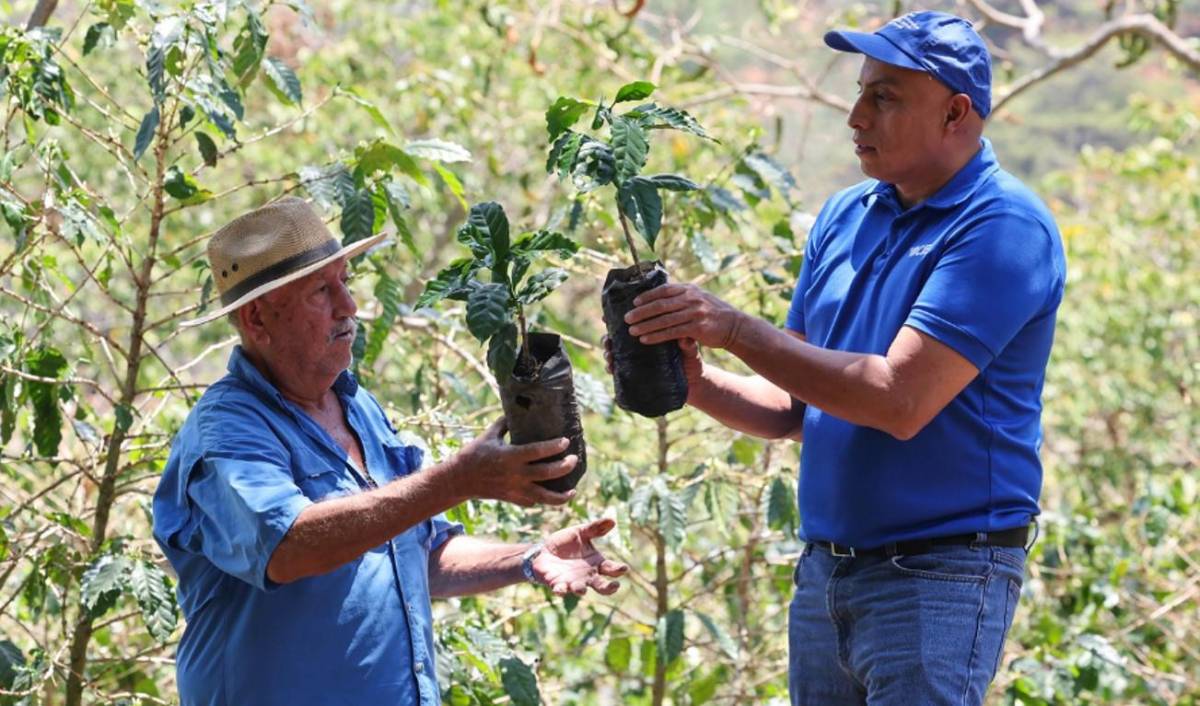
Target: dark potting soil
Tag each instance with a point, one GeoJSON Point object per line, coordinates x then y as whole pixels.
{"type": "Point", "coordinates": [539, 404]}
{"type": "Point", "coordinates": [649, 380]}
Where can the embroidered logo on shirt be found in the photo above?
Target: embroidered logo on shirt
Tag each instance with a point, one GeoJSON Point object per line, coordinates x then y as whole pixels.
{"type": "Point", "coordinates": [919, 250]}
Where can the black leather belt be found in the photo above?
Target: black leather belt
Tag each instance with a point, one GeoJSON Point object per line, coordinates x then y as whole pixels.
{"type": "Point", "coordinates": [1016, 537]}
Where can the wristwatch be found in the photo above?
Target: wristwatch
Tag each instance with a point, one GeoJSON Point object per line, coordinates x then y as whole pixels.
{"type": "Point", "coordinates": [527, 562]}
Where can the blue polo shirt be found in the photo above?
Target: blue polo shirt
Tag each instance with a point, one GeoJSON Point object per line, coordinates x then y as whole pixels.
{"type": "Point", "coordinates": [245, 464]}
{"type": "Point", "coordinates": [979, 266]}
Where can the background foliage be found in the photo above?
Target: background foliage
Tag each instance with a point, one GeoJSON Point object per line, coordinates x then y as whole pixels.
{"type": "Point", "coordinates": [132, 130]}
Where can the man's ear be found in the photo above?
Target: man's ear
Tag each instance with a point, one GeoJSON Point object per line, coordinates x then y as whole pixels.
{"type": "Point", "coordinates": [957, 111]}
{"type": "Point", "coordinates": [250, 321]}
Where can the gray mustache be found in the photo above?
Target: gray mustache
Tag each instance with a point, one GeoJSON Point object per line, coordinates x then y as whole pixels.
{"type": "Point", "coordinates": [349, 327]}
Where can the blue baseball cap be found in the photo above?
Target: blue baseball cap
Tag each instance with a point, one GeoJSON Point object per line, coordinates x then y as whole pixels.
{"type": "Point", "coordinates": [940, 44]}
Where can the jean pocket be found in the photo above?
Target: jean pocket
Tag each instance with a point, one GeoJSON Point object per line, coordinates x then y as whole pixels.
{"type": "Point", "coordinates": [1012, 596]}
{"type": "Point", "coordinates": [961, 566]}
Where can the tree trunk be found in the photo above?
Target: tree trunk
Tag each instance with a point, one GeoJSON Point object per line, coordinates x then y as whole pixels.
{"type": "Point", "coordinates": [41, 14]}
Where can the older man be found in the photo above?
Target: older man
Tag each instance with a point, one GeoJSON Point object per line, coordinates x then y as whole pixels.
{"type": "Point", "coordinates": [912, 367]}
{"type": "Point", "coordinates": [307, 538]}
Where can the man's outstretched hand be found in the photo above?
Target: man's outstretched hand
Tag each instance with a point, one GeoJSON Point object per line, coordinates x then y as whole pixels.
{"type": "Point", "coordinates": [569, 563]}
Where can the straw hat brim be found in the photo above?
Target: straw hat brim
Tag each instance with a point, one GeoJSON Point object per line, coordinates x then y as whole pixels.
{"type": "Point", "coordinates": [351, 250]}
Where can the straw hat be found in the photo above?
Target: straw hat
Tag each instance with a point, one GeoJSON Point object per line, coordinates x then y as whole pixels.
{"type": "Point", "coordinates": [269, 247]}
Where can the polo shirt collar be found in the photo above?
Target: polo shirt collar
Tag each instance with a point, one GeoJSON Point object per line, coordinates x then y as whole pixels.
{"type": "Point", "coordinates": [960, 187]}
{"type": "Point", "coordinates": [241, 368]}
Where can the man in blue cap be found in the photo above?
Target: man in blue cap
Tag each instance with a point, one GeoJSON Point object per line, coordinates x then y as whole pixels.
{"type": "Point", "coordinates": [912, 367]}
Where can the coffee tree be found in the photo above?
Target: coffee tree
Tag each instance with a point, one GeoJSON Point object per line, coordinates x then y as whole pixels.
{"type": "Point", "coordinates": [108, 188]}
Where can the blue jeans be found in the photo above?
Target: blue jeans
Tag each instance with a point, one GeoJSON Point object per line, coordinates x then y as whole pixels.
{"type": "Point", "coordinates": [925, 629]}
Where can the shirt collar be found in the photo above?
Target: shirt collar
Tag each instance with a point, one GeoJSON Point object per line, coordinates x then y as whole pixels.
{"type": "Point", "coordinates": [954, 192]}
{"type": "Point", "coordinates": [241, 368]}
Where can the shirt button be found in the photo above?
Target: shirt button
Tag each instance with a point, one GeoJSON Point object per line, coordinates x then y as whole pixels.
{"type": "Point", "coordinates": [419, 668]}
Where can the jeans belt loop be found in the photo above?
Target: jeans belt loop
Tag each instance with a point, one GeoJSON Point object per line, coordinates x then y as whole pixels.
{"type": "Point", "coordinates": [981, 540]}
{"type": "Point", "coordinates": [836, 550]}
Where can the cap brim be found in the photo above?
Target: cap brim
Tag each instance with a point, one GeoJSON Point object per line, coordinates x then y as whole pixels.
{"type": "Point", "coordinates": [871, 45]}
{"type": "Point", "coordinates": [356, 248]}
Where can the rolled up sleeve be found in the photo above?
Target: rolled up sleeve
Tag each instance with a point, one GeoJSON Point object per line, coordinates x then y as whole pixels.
{"type": "Point", "coordinates": [244, 497]}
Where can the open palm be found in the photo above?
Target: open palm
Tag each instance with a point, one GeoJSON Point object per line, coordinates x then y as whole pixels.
{"type": "Point", "coordinates": [569, 563]}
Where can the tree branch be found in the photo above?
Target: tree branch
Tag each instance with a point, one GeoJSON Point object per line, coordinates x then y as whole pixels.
{"type": "Point", "coordinates": [41, 14]}
{"type": "Point", "coordinates": [1147, 26]}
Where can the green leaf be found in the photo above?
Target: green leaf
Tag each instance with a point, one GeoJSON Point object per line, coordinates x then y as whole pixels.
{"type": "Point", "coordinates": [98, 35]}
{"type": "Point", "coordinates": [703, 250]}
{"type": "Point", "coordinates": [520, 265]}
{"type": "Point", "coordinates": [489, 217]}
{"type": "Point", "coordinates": [772, 172]}
{"type": "Point", "coordinates": [373, 111]}
{"type": "Point", "coordinates": [640, 202]}
{"type": "Point", "coordinates": [724, 641]}
{"type": "Point", "coordinates": [45, 362]}
{"type": "Point", "coordinates": [453, 282]}
{"type": "Point", "coordinates": [655, 117]}
{"type": "Point", "coordinates": [283, 82]}
{"type": "Point", "coordinates": [103, 582]}
{"type": "Point", "coordinates": [389, 294]}
{"type": "Point", "coordinates": [208, 148]}
{"type": "Point", "coordinates": [781, 505]}
{"type": "Point", "coordinates": [745, 450]}
{"type": "Point", "coordinates": [145, 133]}
{"type": "Point", "coordinates": [635, 91]}
{"type": "Point", "coordinates": [640, 503]}
{"type": "Point", "coordinates": [11, 662]}
{"type": "Point", "coordinates": [358, 217]}
{"type": "Point", "coordinates": [155, 598]}
{"type": "Point", "coordinates": [594, 166]}
{"type": "Point", "coordinates": [563, 153]}
{"type": "Point", "coordinates": [630, 147]}
{"type": "Point", "coordinates": [248, 48]}
{"type": "Point", "coordinates": [669, 636]}
{"type": "Point", "coordinates": [179, 184]}
{"type": "Point", "coordinates": [438, 150]}
{"type": "Point", "coordinates": [701, 691]}
{"type": "Point", "coordinates": [543, 240]}
{"type": "Point", "coordinates": [452, 183]}
{"type": "Point", "coordinates": [519, 682]}
{"type": "Point", "coordinates": [502, 352]}
{"type": "Point", "coordinates": [8, 407]}
{"type": "Point", "coordinates": [398, 201]}
{"type": "Point", "coordinates": [540, 285]}
{"type": "Point", "coordinates": [672, 182]}
{"type": "Point", "coordinates": [593, 394]}
{"type": "Point", "coordinates": [563, 114]}
{"type": "Point", "coordinates": [603, 115]}
{"type": "Point", "coordinates": [672, 518]}
{"type": "Point", "coordinates": [618, 654]}
{"type": "Point", "coordinates": [155, 59]}
{"type": "Point", "coordinates": [487, 310]}
{"type": "Point", "coordinates": [725, 200]}
{"type": "Point", "coordinates": [383, 156]}
{"type": "Point", "coordinates": [122, 418]}
{"type": "Point", "coordinates": [329, 185]}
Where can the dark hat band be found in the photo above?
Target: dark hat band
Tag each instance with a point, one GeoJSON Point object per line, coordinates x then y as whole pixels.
{"type": "Point", "coordinates": [280, 269]}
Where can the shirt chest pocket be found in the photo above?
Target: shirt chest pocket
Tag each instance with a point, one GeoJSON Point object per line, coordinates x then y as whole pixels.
{"type": "Point", "coordinates": [318, 480]}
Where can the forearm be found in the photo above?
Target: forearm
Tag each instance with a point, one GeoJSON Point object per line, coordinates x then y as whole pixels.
{"type": "Point", "coordinates": [465, 566]}
{"type": "Point", "coordinates": [857, 387]}
{"type": "Point", "coordinates": [334, 532]}
{"type": "Point", "coordinates": [749, 404]}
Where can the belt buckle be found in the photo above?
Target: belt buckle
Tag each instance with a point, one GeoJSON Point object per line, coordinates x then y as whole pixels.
{"type": "Point", "coordinates": [836, 549]}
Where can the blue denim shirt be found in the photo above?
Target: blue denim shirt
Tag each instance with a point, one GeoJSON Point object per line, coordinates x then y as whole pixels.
{"type": "Point", "coordinates": [242, 468]}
